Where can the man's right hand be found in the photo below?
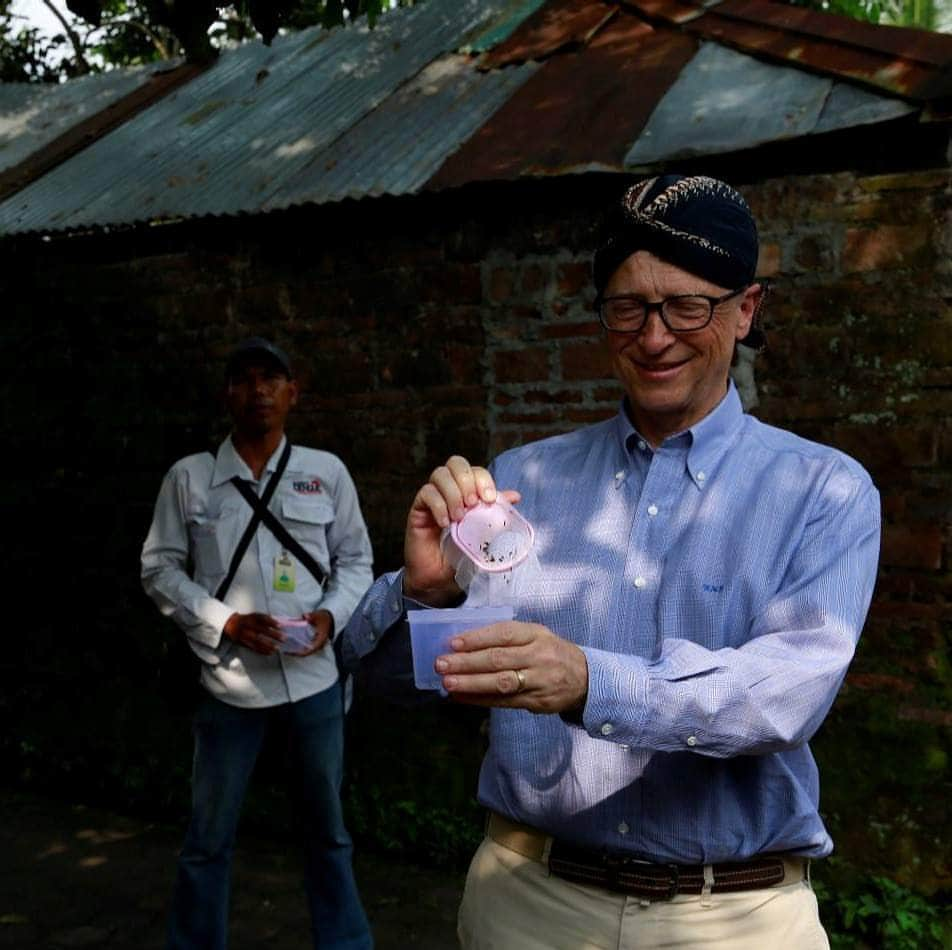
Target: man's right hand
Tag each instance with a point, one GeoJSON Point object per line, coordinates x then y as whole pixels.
{"type": "Point", "coordinates": [257, 632]}
{"type": "Point", "coordinates": [452, 489]}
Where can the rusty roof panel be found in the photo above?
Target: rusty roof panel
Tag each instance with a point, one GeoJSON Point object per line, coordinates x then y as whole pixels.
{"type": "Point", "coordinates": [725, 101]}
{"type": "Point", "coordinates": [905, 42]}
{"type": "Point", "coordinates": [903, 60]}
{"type": "Point", "coordinates": [559, 25]}
{"type": "Point", "coordinates": [580, 111]}
{"type": "Point", "coordinates": [902, 76]}
{"type": "Point", "coordinates": [670, 11]}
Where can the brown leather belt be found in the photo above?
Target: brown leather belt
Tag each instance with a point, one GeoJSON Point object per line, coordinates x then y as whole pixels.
{"type": "Point", "coordinates": [644, 879]}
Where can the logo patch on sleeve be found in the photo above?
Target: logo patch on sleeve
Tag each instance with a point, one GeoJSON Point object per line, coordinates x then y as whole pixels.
{"type": "Point", "coordinates": [310, 487]}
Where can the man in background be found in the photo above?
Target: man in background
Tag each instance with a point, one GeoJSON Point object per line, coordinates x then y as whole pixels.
{"type": "Point", "coordinates": [262, 530]}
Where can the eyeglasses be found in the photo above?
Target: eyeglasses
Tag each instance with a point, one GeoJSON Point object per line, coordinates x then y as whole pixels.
{"type": "Point", "coordinates": [681, 314]}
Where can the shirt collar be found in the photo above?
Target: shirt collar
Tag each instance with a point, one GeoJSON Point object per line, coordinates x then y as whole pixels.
{"type": "Point", "coordinates": [709, 439]}
{"type": "Point", "coordinates": [228, 463]}
{"type": "Point", "coordinates": [713, 436]}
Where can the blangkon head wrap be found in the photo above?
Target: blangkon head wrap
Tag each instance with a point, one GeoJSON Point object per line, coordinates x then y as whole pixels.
{"type": "Point", "coordinates": [699, 224]}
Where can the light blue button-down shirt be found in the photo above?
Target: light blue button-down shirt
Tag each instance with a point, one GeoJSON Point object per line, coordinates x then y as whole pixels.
{"type": "Point", "coordinates": [718, 586]}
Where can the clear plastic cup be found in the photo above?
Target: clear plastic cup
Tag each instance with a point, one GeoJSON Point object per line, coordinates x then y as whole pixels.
{"type": "Point", "coordinates": [432, 630]}
{"type": "Point", "coordinates": [298, 634]}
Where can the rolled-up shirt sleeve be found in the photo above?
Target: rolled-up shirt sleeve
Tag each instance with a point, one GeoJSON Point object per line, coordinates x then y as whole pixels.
{"type": "Point", "coordinates": [164, 567]}
{"type": "Point", "coordinates": [772, 692]}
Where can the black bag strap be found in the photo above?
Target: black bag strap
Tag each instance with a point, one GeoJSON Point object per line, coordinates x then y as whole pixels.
{"type": "Point", "coordinates": [270, 521]}
{"type": "Point", "coordinates": [257, 506]}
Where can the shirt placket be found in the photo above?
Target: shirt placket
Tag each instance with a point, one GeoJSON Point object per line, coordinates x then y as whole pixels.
{"type": "Point", "coordinates": [648, 540]}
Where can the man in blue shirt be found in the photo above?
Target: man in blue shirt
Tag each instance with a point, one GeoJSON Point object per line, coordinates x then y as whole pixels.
{"type": "Point", "coordinates": [704, 580]}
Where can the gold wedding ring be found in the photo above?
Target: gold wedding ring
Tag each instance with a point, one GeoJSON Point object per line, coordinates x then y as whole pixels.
{"type": "Point", "coordinates": [521, 676]}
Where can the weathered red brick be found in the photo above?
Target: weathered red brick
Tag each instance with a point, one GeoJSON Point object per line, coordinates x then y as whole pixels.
{"type": "Point", "coordinates": [521, 366]}
{"type": "Point", "coordinates": [906, 181]}
{"type": "Point", "coordinates": [502, 284]}
{"type": "Point", "coordinates": [769, 261]}
{"type": "Point", "coordinates": [607, 393]}
{"type": "Point", "coordinates": [880, 682]}
{"type": "Point", "coordinates": [573, 277]}
{"type": "Point", "coordinates": [586, 361]}
{"type": "Point", "coordinates": [912, 546]}
{"type": "Point", "coordinates": [813, 253]}
{"type": "Point", "coordinates": [587, 328]}
{"type": "Point", "coordinates": [535, 276]}
{"type": "Point", "coordinates": [528, 418]}
{"type": "Point", "coordinates": [867, 249]}
{"type": "Point", "coordinates": [552, 396]}
{"type": "Point", "coordinates": [588, 416]}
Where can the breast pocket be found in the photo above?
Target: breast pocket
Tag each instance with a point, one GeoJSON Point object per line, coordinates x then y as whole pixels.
{"type": "Point", "coordinates": [210, 540]}
{"type": "Point", "coordinates": [308, 521]}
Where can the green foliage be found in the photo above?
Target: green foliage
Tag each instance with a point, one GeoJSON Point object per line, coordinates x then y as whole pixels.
{"type": "Point", "coordinates": [878, 912]}
{"type": "Point", "coordinates": [413, 829]}
{"type": "Point", "coordinates": [134, 32]}
{"type": "Point", "coordinates": [925, 14]}
{"type": "Point", "coordinates": [27, 56]}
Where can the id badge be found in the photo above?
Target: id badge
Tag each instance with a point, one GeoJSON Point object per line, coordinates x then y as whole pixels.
{"type": "Point", "coordinates": [284, 572]}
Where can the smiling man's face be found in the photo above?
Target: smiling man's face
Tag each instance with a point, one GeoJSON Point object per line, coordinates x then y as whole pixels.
{"type": "Point", "coordinates": [674, 380]}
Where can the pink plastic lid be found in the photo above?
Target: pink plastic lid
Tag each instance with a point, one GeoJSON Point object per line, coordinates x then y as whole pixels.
{"type": "Point", "coordinates": [495, 537]}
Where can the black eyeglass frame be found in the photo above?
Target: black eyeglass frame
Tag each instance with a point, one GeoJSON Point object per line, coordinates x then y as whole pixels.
{"type": "Point", "coordinates": [659, 306]}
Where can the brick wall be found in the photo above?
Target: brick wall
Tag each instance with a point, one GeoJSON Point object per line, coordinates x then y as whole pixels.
{"type": "Point", "coordinates": [462, 323]}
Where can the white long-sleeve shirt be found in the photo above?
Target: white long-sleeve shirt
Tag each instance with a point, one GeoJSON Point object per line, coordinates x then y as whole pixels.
{"type": "Point", "coordinates": [200, 517]}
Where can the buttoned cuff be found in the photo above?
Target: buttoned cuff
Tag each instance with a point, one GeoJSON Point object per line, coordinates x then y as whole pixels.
{"type": "Point", "coordinates": [617, 700]}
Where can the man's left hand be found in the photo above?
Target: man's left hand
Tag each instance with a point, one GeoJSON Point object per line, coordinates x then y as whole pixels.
{"type": "Point", "coordinates": [322, 623]}
{"type": "Point", "coordinates": [516, 665]}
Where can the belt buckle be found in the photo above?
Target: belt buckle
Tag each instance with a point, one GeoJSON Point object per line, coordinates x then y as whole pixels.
{"type": "Point", "coordinates": [674, 882]}
{"type": "Point", "coordinates": [615, 863]}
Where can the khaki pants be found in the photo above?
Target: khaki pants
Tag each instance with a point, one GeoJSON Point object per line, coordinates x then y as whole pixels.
{"type": "Point", "coordinates": [513, 903]}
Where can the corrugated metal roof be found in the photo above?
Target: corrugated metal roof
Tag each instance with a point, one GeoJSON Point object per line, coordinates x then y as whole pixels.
{"type": "Point", "coordinates": [230, 140]}
{"type": "Point", "coordinates": [322, 116]}
{"type": "Point", "coordinates": [898, 59]}
{"type": "Point", "coordinates": [581, 111]}
{"type": "Point", "coordinates": [560, 24]}
{"type": "Point", "coordinates": [725, 101]}
{"type": "Point", "coordinates": [512, 17]}
{"type": "Point", "coordinates": [32, 115]}
{"type": "Point", "coordinates": [420, 125]}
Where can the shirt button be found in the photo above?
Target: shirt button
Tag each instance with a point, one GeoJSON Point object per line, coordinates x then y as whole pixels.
{"type": "Point", "coordinates": [623, 748]}
{"type": "Point", "coordinates": [652, 510]}
{"type": "Point", "coordinates": [623, 828]}
{"type": "Point", "coordinates": [642, 444]}
{"type": "Point", "coordinates": [692, 741]}
{"type": "Point", "coordinates": [394, 606]}
{"type": "Point", "coordinates": [701, 476]}
{"type": "Point", "coordinates": [640, 582]}
{"type": "Point", "coordinates": [607, 728]}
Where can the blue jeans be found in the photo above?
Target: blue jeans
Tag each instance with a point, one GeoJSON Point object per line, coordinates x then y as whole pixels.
{"type": "Point", "coordinates": [228, 740]}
